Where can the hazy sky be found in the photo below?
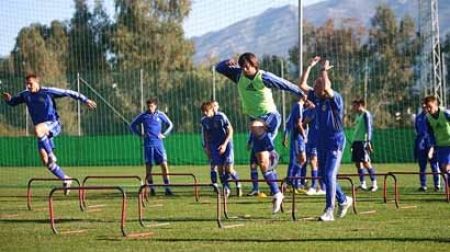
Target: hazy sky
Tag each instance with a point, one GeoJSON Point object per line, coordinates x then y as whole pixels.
{"type": "Point", "coordinates": [205, 16]}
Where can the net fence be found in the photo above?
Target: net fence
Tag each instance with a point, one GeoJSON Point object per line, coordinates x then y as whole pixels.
{"type": "Point", "coordinates": [120, 53]}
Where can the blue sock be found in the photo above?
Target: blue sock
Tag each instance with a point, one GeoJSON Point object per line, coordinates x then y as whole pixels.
{"type": "Point", "coordinates": [213, 176]}
{"type": "Point", "coordinates": [296, 172]}
{"type": "Point", "coordinates": [166, 182]}
{"type": "Point", "coordinates": [56, 170]}
{"type": "Point", "coordinates": [361, 173]}
{"type": "Point", "coordinates": [272, 175]}
{"type": "Point", "coordinates": [44, 143]}
{"type": "Point", "coordinates": [314, 173]}
{"type": "Point", "coordinates": [371, 171]}
{"type": "Point", "coordinates": [303, 173]}
{"type": "Point", "coordinates": [254, 177]}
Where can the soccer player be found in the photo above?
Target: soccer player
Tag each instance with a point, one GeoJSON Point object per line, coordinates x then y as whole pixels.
{"type": "Point", "coordinates": [41, 105]}
{"type": "Point", "coordinates": [361, 145]}
{"type": "Point", "coordinates": [438, 119]}
{"type": "Point", "coordinates": [213, 168]}
{"type": "Point", "coordinates": [218, 139]}
{"type": "Point", "coordinates": [317, 186]}
{"type": "Point", "coordinates": [297, 155]}
{"type": "Point", "coordinates": [421, 149]}
{"type": "Point", "coordinates": [329, 118]}
{"type": "Point", "coordinates": [254, 89]}
{"type": "Point", "coordinates": [152, 121]}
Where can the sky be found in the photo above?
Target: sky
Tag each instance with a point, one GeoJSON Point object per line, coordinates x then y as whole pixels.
{"type": "Point", "coordinates": [205, 16]}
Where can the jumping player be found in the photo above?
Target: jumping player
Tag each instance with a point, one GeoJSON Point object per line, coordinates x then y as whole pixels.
{"type": "Point", "coordinates": [254, 89]}
{"type": "Point", "coordinates": [41, 105]}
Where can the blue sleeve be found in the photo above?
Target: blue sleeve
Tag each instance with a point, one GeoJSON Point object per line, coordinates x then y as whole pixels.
{"type": "Point", "coordinates": [135, 125]}
{"type": "Point", "coordinates": [270, 80]}
{"type": "Point", "coordinates": [226, 122]}
{"type": "Point", "coordinates": [167, 121]}
{"type": "Point", "coordinates": [58, 93]}
{"type": "Point", "coordinates": [16, 100]}
{"type": "Point", "coordinates": [336, 104]}
{"type": "Point", "coordinates": [231, 72]}
{"type": "Point", "coordinates": [203, 135]}
{"type": "Point", "coordinates": [368, 122]}
{"type": "Point", "coordinates": [250, 139]}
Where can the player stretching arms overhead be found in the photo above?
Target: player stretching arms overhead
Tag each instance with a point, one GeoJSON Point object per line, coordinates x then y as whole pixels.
{"type": "Point", "coordinates": [218, 139]}
{"type": "Point", "coordinates": [42, 108]}
{"type": "Point", "coordinates": [153, 121]}
{"type": "Point", "coordinates": [438, 119]}
{"type": "Point", "coordinates": [329, 118]}
{"type": "Point", "coordinates": [254, 89]}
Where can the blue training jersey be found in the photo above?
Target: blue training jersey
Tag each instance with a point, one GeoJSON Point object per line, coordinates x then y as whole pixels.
{"type": "Point", "coordinates": [294, 117]}
{"type": "Point", "coordinates": [41, 105]}
{"type": "Point", "coordinates": [329, 119]}
{"type": "Point", "coordinates": [309, 115]}
{"type": "Point", "coordinates": [153, 124]}
{"type": "Point", "coordinates": [215, 129]}
{"type": "Point", "coordinates": [423, 141]}
{"type": "Point", "coordinates": [270, 80]}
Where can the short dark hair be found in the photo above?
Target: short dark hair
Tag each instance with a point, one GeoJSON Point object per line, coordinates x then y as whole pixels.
{"type": "Point", "coordinates": [249, 58]}
{"type": "Point", "coordinates": [430, 98]}
{"type": "Point", "coordinates": [359, 102]}
{"type": "Point", "coordinates": [206, 106]}
{"type": "Point", "coordinates": [152, 101]}
{"type": "Point", "coordinates": [31, 76]}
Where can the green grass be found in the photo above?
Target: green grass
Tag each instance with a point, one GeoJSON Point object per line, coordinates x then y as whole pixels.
{"type": "Point", "coordinates": [426, 227]}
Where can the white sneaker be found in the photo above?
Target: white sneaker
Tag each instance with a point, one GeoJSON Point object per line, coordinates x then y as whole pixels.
{"type": "Point", "coordinates": [276, 201]}
{"type": "Point", "coordinates": [327, 215]}
{"type": "Point", "coordinates": [363, 186]}
{"type": "Point", "coordinates": [374, 187]}
{"type": "Point", "coordinates": [66, 185]}
{"type": "Point", "coordinates": [253, 193]}
{"type": "Point", "coordinates": [320, 192]}
{"type": "Point", "coordinates": [343, 208]}
{"type": "Point", "coordinates": [311, 191]}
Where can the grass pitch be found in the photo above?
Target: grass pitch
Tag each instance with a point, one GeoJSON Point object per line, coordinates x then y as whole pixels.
{"type": "Point", "coordinates": [180, 223]}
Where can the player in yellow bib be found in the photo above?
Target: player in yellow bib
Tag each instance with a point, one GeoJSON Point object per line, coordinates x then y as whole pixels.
{"type": "Point", "coordinates": [255, 92]}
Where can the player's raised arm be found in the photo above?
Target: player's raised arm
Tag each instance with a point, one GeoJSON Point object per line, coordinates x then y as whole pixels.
{"type": "Point", "coordinates": [272, 81]}
{"type": "Point", "coordinates": [303, 82]}
{"type": "Point", "coordinates": [12, 101]}
{"type": "Point", "coordinates": [324, 76]}
{"type": "Point", "coordinates": [230, 69]}
{"type": "Point", "coordinates": [58, 93]}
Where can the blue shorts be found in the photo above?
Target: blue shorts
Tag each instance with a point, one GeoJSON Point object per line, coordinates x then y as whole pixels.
{"type": "Point", "coordinates": [54, 128]}
{"type": "Point", "coordinates": [155, 154]}
{"type": "Point", "coordinates": [359, 152]}
{"type": "Point", "coordinates": [311, 150]}
{"type": "Point", "coordinates": [272, 122]}
{"type": "Point", "coordinates": [443, 155]}
{"type": "Point", "coordinates": [222, 159]}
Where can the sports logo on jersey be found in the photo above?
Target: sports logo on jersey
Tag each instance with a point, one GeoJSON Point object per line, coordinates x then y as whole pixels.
{"type": "Point", "coordinates": [250, 87]}
{"type": "Point", "coordinates": [324, 107]}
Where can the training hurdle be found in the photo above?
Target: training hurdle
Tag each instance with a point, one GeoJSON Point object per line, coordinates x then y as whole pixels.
{"type": "Point", "coordinates": [143, 187]}
{"type": "Point", "coordinates": [225, 200]}
{"type": "Point", "coordinates": [385, 176]}
{"type": "Point", "coordinates": [30, 194]}
{"type": "Point", "coordinates": [446, 185]}
{"type": "Point", "coordinates": [196, 190]}
{"type": "Point", "coordinates": [84, 188]}
{"type": "Point", "coordinates": [83, 184]}
{"type": "Point", "coordinates": [339, 177]}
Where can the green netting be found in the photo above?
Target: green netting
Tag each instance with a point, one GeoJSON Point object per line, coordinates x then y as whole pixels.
{"type": "Point", "coordinates": [181, 148]}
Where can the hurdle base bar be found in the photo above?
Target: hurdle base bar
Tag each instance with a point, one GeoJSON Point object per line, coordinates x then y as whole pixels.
{"type": "Point", "coordinates": [30, 194]}
{"type": "Point", "coordinates": [142, 189]}
{"type": "Point", "coordinates": [178, 174]}
{"type": "Point", "coordinates": [83, 188]}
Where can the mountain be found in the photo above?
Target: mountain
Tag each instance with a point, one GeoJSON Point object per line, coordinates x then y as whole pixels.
{"type": "Point", "coordinates": [275, 31]}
